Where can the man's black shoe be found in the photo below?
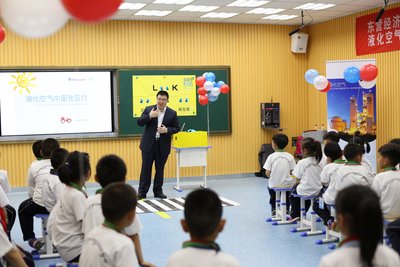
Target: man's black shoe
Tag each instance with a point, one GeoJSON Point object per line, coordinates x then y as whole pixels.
{"type": "Point", "coordinates": [139, 197]}
{"type": "Point", "coordinates": [161, 195]}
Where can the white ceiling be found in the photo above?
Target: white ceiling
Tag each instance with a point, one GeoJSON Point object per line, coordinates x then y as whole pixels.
{"type": "Point", "coordinates": [342, 8]}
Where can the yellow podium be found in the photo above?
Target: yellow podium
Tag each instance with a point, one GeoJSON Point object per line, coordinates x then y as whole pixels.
{"type": "Point", "coordinates": [191, 151]}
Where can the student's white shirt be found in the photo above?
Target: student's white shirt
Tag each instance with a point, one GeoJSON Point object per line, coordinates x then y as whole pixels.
{"type": "Point", "coordinates": [106, 247]}
{"type": "Point", "coordinates": [52, 190]}
{"type": "Point", "coordinates": [367, 164]}
{"type": "Point", "coordinates": [93, 216]}
{"type": "Point", "coordinates": [198, 257]}
{"type": "Point", "coordinates": [4, 181]}
{"type": "Point", "coordinates": [280, 164]}
{"type": "Point", "coordinates": [65, 223]}
{"type": "Point", "coordinates": [36, 173]}
{"type": "Point", "coordinates": [351, 174]}
{"type": "Point", "coordinates": [308, 171]}
{"type": "Point", "coordinates": [29, 177]}
{"type": "Point", "coordinates": [6, 245]}
{"type": "Point", "coordinates": [387, 186]}
{"type": "Point", "coordinates": [324, 160]}
{"type": "Point", "coordinates": [350, 257]}
{"type": "Point", "coordinates": [329, 176]}
{"type": "Point", "coordinates": [3, 199]}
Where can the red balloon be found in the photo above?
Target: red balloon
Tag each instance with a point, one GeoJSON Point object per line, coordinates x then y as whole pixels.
{"type": "Point", "coordinates": [91, 10]}
{"type": "Point", "coordinates": [2, 34]}
{"type": "Point", "coordinates": [200, 81]}
{"type": "Point", "coordinates": [203, 100]}
{"type": "Point", "coordinates": [201, 91]}
{"type": "Point", "coordinates": [368, 72]}
{"type": "Point", "coordinates": [225, 89]}
{"type": "Point", "coordinates": [327, 88]}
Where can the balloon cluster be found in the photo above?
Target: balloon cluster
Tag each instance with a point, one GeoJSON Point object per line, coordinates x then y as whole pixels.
{"type": "Point", "coordinates": [2, 34]}
{"type": "Point", "coordinates": [41, 18]}
{"type": "Point", "coordinates": [365, 76]}
{"type": "Point", "coordinates": [209, 90]}
{"type": "Point", "coordinates": [320, 82]}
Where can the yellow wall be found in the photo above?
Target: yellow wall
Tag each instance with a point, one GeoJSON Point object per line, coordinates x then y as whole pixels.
{"type": "Point", "coordinates": [262, 67]}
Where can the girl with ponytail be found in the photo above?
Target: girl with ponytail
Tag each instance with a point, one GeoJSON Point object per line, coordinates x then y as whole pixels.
{"type": "Point", "coordinates": [360, 220]}
{"type": "Point", "coordinates": [65, 222]}
{"type": "Point", "coordinates": [366, 148]}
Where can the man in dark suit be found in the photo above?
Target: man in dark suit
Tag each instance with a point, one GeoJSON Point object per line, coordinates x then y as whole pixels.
{"type": "Point", "coordinates": [161, 123]}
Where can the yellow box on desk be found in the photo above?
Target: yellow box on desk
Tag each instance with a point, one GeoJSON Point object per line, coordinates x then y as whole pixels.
{"type": "Point", "coordinates": [190, 139]}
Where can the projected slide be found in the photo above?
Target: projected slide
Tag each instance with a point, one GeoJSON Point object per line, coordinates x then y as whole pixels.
{"type": "Point", "coordinates": [59, 102]}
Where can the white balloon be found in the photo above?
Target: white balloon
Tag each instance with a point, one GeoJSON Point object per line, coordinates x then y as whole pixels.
{"type": "Point", "coordinates": [208, 85]}
{"type": "Point", "coordinates": [34, 19]}
{"type": "Point", "coordinates": [320, 82]}
{"type": "Point", "coordinates": [215, 91]}
{"type": "Point", "coordinates": [367, 85]}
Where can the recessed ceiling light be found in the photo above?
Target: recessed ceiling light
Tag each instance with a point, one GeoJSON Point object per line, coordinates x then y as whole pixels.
{"type": "Point", "coordinates": [314, 6]}
{"type": "Point", "coordinates": [156, 13]}
{"type": "Point", "coordinates": [173, 2]}
{"type": "Point", "coordinates": [222, 15]}
{"type": "Point", "coordinates": [131, 6]}
{"type": "Point", "coordinates": [248, 3]}
{"type": "Point", "coordinates": [280, 17]}
{"type": "Point", "coordinates": [265, 10]}
{"type": "Point", "coordinates": [191, 8]}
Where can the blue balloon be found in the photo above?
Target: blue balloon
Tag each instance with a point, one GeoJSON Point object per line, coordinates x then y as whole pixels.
{"type": "Point", "coordinates": [212, 98]}
{"type": "Point", "coordinates": [210, 76]}
{"type": "Point", "coordinates": [310, 75]}
{"type": "Point", "coordinates": [351, 74]}
{"type": "Point", "coordinates": [214, 84]}
{"type": "Point", "coordinates": [219, 84]}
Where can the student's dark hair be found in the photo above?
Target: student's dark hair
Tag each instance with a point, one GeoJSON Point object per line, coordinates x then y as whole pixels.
{"type": "Point", "coordinates": [281, 140]}
{"type": "Point", "coordinates": [352, 150]}
{"type": "Point", "coordinates": [395, 141]}
{"type": "Point", "coordinates": [36, 148]}
{"type": "Point", "coordinates": [391, 152]}
{"type": "Point", "coordinates": [48, 146]}
{"type": "Point", "coordinates": [110, 169]}
{"type": "Point", "coordinates": [361, 209]}
{"type": "Point", "coordinates": [356, 139]}
{"type": "Point", "coordinates": [75, 168]}
{"type": "Point", "coordinates": [58, 157]}
{"type": "Point", "coordinates": [333, 151]}
{"type": "Point", "coordinates": [332, 136]}
{"type": "Point", "coordinates": [163, 93]}
{"type": "Point", "coordinates": [203, 211]}
{"type": "Point", "coordinates": [313, 148]}
{"type": "Point", "coordinates": [117, 200]}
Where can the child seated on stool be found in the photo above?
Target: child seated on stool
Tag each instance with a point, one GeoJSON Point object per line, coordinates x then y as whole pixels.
{"type": "Point", "coordinates": [106, 246]}
{"type": "Point", "coordinates": [397, 142]}
{"type": "Point", "coordinates": [308, 171]}
{"type": "Point", "coordinates": [203, 211]}
{"type": "Point", "coordinates": [359, 217]}
{"type": "Point", "coordinates": [366, 148]}
{"type": "Point", "coordinates": [387, 185]}
{"type": "Point", "coordinates": [278, 167]}
{"type": "Point", "coordinates": [333, 154]}
{"type": "Point", "coordinates": [331, 136]}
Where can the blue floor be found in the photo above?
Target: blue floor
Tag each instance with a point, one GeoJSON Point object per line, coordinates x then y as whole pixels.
{"type": "Point", "coordinates": [247, 236]}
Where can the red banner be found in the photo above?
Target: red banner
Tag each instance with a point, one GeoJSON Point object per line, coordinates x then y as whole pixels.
{"type": "Point", "coordinates": [377, 37]}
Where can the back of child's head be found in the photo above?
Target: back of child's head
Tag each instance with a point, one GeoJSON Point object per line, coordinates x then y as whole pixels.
{"type": "Point", "coordinates": [352, 151]}
{"type": "Point", "coordinates": [75, 169]}
{"type": "Point", "coordinates": [356, 139]}
{"type": "Point", "coordinates": [391, 152]}
{"type": "Point", "coordinates": [36, 148]}
{"type": "Point", "coordinates": [395, 141]}
{"type": "Point", "coordinates": [117, 200]}
{"type": "Point", "coordinates": [48, 146]}
{"type": "Point", "coordinates": [331, 136]}
{"type": "Point", "coordinates": [58, 157]}
{"type": "Point", "coordinates": [203, 212]}
{"type": "Point", "coordinates": [110, 169]}
{"type": "Point", "coordinates": [333, 151]}
{"type": "Point", "coordinates": [312, 147]}
{"type": "Point", "coordinates": [362, 214]}
{"type": "Point", "coordinates": [280, 140]}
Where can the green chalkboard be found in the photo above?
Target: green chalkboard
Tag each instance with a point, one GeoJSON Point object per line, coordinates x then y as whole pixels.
{"type": "Point", "coordinates": [219, 111]}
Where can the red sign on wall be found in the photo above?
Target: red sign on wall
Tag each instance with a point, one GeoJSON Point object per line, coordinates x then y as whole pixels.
{"type": "Point", "coordinates": [377, 37]}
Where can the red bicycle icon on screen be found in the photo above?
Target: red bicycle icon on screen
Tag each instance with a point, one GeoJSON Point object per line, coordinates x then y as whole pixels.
{"type": "Point", "coordinates": [65, 120]}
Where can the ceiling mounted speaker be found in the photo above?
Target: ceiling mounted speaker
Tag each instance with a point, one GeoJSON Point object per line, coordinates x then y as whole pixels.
{"type": "Point", "coordinates": [299, 42]}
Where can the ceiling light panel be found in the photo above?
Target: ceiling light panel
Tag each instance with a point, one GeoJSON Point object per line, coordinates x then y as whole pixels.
{"type": "Point", "coordinates": [314, 6]}
{"type": "Point", "coordinates": [266, 11]}
{"type": "Point", "coordinates": [173, 2]}
{"type": "Point", "coordinates": [131, 6]}
{"type": "Point", "coordinates": [192, 8]}
{"type": "Point", "coordinates": [155, 13]}
{"type": "Point", "coordinates": [248, 3]}
{"type": "Point", "coordinates": [219, 15]}
{"type": "Point", "coordinates": [280, 17]}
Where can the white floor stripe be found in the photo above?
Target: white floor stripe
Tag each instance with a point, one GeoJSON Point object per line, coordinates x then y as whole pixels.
{"type": "Point", "coordinates": [229, 201]}
{"type": "Point", "coordinates": [147, 206]}
{"type": "Point", "coordinates": [180, 200]}
{"type": "Point", "coordinates": [158, 203]}
{"type": "Point", "coordinates": [138, 210]}
{"type": "Point", "coordinates": [179, 207]}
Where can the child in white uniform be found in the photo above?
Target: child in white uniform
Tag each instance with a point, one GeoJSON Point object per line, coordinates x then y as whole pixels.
{"type": "Point", "coordinates": [328, 137]}
{"type": "Point", "coordinates": [387, 186]}
{"type": "Point", "coordinates": [106, 246]}
{"type": "Point", "coordinates": [353, 172]}
{"type": "Point", "coordinates": [9, 252]}
{"type": "Point", "coordinates": [365, 147]}
{"type": "Point", "coordinates": [203, 211]}
{"type": "Point", "coordinates": [65, 221]}
{"type": "Point", "coordinates": [278, 167]}
{"type": "Point", "coordinates": [110, 169]}
{"type": "Point", "coordinates": [360, 220]}
{"type": "Point", "coordinates": [308, 171]}
{"type": "Point", "coordinates": [397, 142]}
{"type": "Point", "coordinates": [52, 186]}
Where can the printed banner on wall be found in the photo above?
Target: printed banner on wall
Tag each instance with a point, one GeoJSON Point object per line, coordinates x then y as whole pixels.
{"type": "Point", "coordinates": [377, 37]}
{"type": "Point", "coordinates": [181, 90]}
{"type": "Point", "coordinates": [351, 107]}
